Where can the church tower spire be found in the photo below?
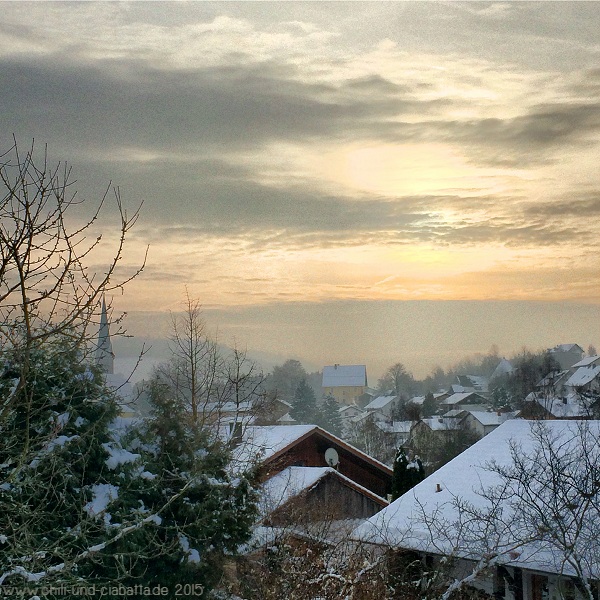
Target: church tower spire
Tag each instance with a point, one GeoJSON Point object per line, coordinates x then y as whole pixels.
{"type": "Point", "coordinates": [105, 358]}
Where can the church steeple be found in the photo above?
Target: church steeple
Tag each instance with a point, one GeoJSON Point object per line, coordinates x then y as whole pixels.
{"type": "Point", "coordinates": [105, 358]}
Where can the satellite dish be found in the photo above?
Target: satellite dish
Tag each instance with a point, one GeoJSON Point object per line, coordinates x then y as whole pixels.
{"type": "Point", "coordinates": [331, 457]}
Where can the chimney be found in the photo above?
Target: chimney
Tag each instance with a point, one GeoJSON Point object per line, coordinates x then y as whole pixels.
{"type": "Point", "coordinates": [438, 488]}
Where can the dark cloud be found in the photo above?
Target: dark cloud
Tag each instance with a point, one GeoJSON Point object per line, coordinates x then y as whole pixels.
{"type": "Point", "coordinates": [205, 125]}
{"type": "Point", "coordinates": [577, 204]}
{"type": "Point", "coordinates": [111, 104]}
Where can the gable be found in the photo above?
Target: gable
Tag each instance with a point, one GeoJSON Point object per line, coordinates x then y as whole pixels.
{"type": "Point", "coordinates": [296, 490]}
{"type": "Point", "coordinates": [304, 446]}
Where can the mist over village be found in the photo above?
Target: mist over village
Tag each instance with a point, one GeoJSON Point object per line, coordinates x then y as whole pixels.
{"type": "Point", "coordinates": [299, 300]}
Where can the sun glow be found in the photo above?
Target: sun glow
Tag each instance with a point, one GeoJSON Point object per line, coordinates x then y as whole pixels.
{"type": "Point", "coordinates": [410, 169]}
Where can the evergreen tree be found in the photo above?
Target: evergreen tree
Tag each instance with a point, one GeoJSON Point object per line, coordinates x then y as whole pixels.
{"type": "Point", "coordinates": [57, 462]}
{"type": "Point", "coordinates": [407, 473]}
{"type": "Point", "coordinates": [203, 512]}
{"type": "Point", "coordinates": [285, 379]}
{"type": "Point", "coordinates": [304, 405]}
{"type": "Point", "coordinates": [330, 418]}
{"type": "Point", "coordinates": [429, 405]}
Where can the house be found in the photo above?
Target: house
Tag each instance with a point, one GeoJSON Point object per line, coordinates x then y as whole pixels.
{"type": "Point", "coordinates": [585, 380]}
{"type": "Point", "coordinates": [301, 495]}
{"type": "Point", "coordinates": [272, 410]}
{"type": "Point", "coordinates": [566, 355]}
{"type": "Point", "coordinates": [346, 383]}
{"type": "Point", "coordinates": [504, 368]}
{"type": "Point", "coordinates": [543, 406]}
{"type": "Point", "coordinates": [398, 432]}
{"type": "Point", "coordinates": [468, 511]}
{"type": "Point", "coordinates": [588, 361]}
{"type": "Point", "coordinates": [433, 433]}
{"type": "Point", "coordinates": [348, 414]}
{"type": "Point", "coordinates": [382, 407]}
{"type": "Point", "coordinates": [436, 425]}
{"type": "Point", "coordinates": [314, 488]}
{"type": "Point", "coordinates": [463, 401]}
{"type": "Point", "coordinates": [473, 383]}
{"type": "Point", "coordinates": [350, 479]}
{"type": "Point", "coordinates": [483, 422]}
{"type": "Point", "coordinates": [553, 383]}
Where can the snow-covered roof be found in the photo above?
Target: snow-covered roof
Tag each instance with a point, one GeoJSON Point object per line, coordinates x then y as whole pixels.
{"type": "Point", "coordinates": [403, 523]}
{"type": "Point", "coordinates": [504, 367]}
{"type": "Point", "coordinates": [583, 376]}
{"type": "Point", "coordinates": [262, 443]}
{"type": "Point", "coordinates": [587, 361]}
{"type": "Point", "coordinates": [286, 419]}
{"type": "Point", "coordinates": [460, 397]}
{"type": "Point", "coordinates": [417, 400]}
{"type": "Point", "coordinates": [291, 482]}
{"type": "Point", "coordinates": [488, 418]}
{"type": "Point", "coordinates": [456, 388]}
{"type": "Point", "coordinates": [441, 423]}
{"type": "Point", "coordinates": [345, 375]}
{"type": "Point", "coordinates": [552, 378]}
{"type": "Point", "coordinates": [395, 427]}
{"type": "Point", "coordinates": [454, 413]}
{"type": "Point", "coordinates": [380, 402]}
{"type": "Point", "coordinates": [477, 382]}
{"type": "Point", "coordinates": [568, 408]}
{"type": "Point", "coordinates": [566, 348]}
{"type": "Point", "coordinates": [287, 484]}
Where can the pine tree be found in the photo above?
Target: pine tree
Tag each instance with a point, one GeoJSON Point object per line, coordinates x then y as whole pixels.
{"type": "Point", "coordinates": [55, 462]}
{"type": "Point", "coordinates": [329, 416]}
{"type": "Point", "coordinates": [304, 405]}
{"type": "Point", "coordinates": [407, 473]}
{"type": "Point", "coordinates": [209, 512]}
{"type": "Point", "coordinates": [429, 405]}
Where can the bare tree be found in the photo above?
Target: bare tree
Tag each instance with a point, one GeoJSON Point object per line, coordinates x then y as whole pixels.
{"type": "Point", "coordinates": [214, 383]}
{"type": "Point", "coordinates": [49, 312]}
{"type": "Point", "coordinates": [46, 288]}
{"type": "Point", "coordinates": [195, 365]}
{"type": "Point", "coordinates": [543, 512]}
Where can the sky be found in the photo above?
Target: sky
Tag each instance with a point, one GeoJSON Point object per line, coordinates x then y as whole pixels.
{"type": "Point", "coordinates": [337, 182]}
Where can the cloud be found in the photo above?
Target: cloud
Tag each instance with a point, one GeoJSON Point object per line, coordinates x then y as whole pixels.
{"type": "Point", "coordinates": [238, 129]}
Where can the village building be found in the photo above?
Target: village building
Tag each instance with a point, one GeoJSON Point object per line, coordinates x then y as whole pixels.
{"type": "Point", "coordinates": [566, 355]}
{"type": "Point", "coordinates": [346, 383]}
{"type": "Point", "coordinates": [483, 422]}
{"type": "Point", "coordinates": [463, 401]}
{"type": "Point", "coordinates": [308, 472]}
{"type": "Point", "coordinates": [129, 400]}
{"type": "Point", "coordinates": [348, 415]}
{"type": "Point", "coordinates": [509, 558]}
{"type": "Point", "coordinates": [382, 407]}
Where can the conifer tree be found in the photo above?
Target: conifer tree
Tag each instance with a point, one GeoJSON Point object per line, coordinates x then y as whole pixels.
{"type": "Point", "coordinates": [57, 464]}
{"type": "Point", "coordinates": [407, 473]}
{"type": "Point", "coordinates": [429, 405]}
{"type": "Point", "coordinates": [304, 405]}
{"type": "Point", "coordinates": [329, 416]}
{"type": "Point", "coordinates": [209, 512]}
